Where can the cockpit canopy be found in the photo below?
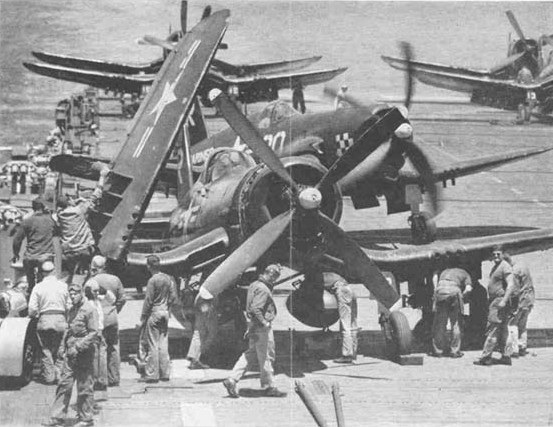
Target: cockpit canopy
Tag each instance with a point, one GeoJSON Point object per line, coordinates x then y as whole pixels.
{"type": "Point", "coordinates": [224, 162]}
{"type": "Point", "coordinates": [274, 113]}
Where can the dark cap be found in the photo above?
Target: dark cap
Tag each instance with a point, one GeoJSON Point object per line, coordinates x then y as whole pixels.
{"type": "Point", "coordinates": [153, 261]}
{"type": "Point", "coordinates": [38, 203]}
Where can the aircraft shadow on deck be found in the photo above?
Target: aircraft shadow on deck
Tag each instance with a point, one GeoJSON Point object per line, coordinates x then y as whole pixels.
{"type": "Point", "coordinates": [376, 239]}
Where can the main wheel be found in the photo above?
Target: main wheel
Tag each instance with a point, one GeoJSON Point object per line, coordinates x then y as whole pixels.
{"type": "Point", "coordinates": [398, 335]}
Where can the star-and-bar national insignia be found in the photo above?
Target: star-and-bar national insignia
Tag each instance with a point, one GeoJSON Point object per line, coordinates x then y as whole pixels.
{"type": "Point", "coordinates": [155, 131]}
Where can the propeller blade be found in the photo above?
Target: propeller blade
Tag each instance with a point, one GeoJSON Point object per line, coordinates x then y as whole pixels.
{"type": "Point", "coordinates": [245, 256]}
{"type": "Point", "coordinates": [372, 134]}
{"type": "Point", "coordinates": [407, 52]}
{"type": "Point", "coordinates": [514, 24]}
{"type": "Point", "coordinates": [250, 135]}
{"type": "Point", "coordinates": [207, 12]}
{"type": "Point", "coordinates": [183, 16]}
{"type": "Point", "coordinates": [155, 41]}
{"type": "Point", "coordinates": [421, 164]}
{"type": "Point", "coordinates": [510, 60]}
{"type": "Point", "coordinates": [332, 92]}
{"type": "Point", "coordinates": [358, 266]}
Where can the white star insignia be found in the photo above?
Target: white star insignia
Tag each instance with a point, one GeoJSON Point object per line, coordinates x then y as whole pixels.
{"type": "Point", "coordinates": [167, 97]}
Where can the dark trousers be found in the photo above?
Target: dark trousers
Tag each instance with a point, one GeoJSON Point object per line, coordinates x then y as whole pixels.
{"type": "Point", "coordinates": [50, 360]}
{"type": "Point", "coordinates": [33, 270]}
{"type": "Point", "coordinates": [111, 336]}
{"type": "Point", "coordinates": [80, 369]}
{"type": "Point", "coordinates": [72, 262]}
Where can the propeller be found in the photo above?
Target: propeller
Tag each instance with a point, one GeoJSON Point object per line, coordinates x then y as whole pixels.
{"type": "Point", "coordinates": [308, 224]}
{"type": "Point", "coordinates": [407, 52]}
{"type": "Point", "coordinates": [520, 34]}
{"type": "Point", "coordinates": [402, 144]}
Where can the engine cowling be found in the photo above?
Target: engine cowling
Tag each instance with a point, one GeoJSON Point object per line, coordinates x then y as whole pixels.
{"type": "Point", "coordinates": [262, 195]}
{"type": "Point", "coordinates": [312, 308]}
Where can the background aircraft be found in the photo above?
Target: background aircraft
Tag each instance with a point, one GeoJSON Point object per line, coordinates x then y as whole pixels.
{"type": "Point", "coordinates": [247, 83]}
{"type": "Point", "coordinates": [500, 86]}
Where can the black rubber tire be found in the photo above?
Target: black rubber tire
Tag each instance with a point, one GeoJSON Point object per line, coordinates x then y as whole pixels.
{"type": "Point", "coordinates": [401, 335]}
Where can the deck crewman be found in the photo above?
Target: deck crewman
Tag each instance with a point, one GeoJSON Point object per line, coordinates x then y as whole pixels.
{"type": "Point", "coordinates": [526, 298]}
{"type": "Point", "coordinates": [38, 229]}
{"type": "Point", "coordinates": [454, 284]}
{"type": "Point", "coordinates": [160, 297]}
{"type": "Point", "coordinates": [347, 309]}
{"type": "Point", "coordinates": [112, 300]}
{"type": "Point", "coordinates": [50, 303]}
{"type": "Point", "coordinates": [78, 362]}
{"type": "Point", "coordinates": [77, 241]}
{"type": "Point", "coordinates": [500, 289]}
{"type": "Point", "coordinates": [261, 310]}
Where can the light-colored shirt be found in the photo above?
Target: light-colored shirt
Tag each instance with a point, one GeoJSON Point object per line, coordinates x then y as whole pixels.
{"type": "Point", "coordinates": [50, 302]}
{"type": "Point", "coordinates": [501, 276]}
{"type": "Point", "coordinates": [49, 295]}
{"type": "Point", "coordinates": [111, 306]}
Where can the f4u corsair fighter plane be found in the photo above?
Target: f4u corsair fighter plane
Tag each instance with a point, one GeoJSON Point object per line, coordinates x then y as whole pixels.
{"type": "Point", "coordinates": [504, 85]}
{"type": "Point", "coordinates": [246, 83]}
{"type": "Point", "coordinates": [247, 210]}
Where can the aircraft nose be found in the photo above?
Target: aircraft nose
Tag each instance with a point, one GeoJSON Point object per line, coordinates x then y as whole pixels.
{"type": "Point", "coordinates": [404, 131]}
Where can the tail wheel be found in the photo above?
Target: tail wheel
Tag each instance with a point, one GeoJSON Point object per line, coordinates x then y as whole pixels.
{"type": "Point", "coordinates": [398, 335]}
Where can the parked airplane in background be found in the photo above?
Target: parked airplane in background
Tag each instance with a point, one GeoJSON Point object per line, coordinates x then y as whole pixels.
{"type": "Point", "coordinates": [523, 79]}
{"type": "Point", "coordinates": [245, 83]}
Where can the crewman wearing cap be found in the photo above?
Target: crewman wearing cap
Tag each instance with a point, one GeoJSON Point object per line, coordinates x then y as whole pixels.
{"type": "Point", "coordinates": [109, 284]}
{"type": "Point", "coordinates": [77, 241]}
{"type": "Point", "coordinates": [49, 303]}
{"type": "Point", "coordinates": [38, 229]}
{"type": "Point", "coordinates": [78, 362]}
{"type": "Point", "coordinates": [261, 311]}
{"type": "Point", "coordinates": [347, 309]}
{"type": "Point", "coordinates": [161, 294]}
{"type": "Point", "coordinates": [340, 101]}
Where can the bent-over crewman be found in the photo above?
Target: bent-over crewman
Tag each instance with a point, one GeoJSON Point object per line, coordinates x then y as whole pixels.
{"type": "Point", "coordinates": [454, 284]}
{"type": "Point", "coordinates": [347, 309]}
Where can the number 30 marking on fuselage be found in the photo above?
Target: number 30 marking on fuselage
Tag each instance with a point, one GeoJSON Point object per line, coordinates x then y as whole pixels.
{"type": "Point", "coordinates": [276, 141]}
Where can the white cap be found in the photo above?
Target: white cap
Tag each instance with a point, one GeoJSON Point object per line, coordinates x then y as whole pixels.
{"type": "Point", "coordinates": [48, 266]}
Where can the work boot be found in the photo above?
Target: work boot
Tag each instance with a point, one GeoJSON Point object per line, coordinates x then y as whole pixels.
{"type": "Point", "coordinates": [230, 385]}
{"type": "Point", "coordinates": [485, 361]}
{"type": "Point", "coordinates": [274, 392]}
{"type": "Point", "coordinates": [344, 359]}
{"type": "Point", "coordinates": [522, 352]}
{"type": "Point", "coordinates": [456, 355]}
{"type": "Point", "coordinates": [505, 360]}
{"type": "Point", "coordinates": [196, 364]}
{"type": "Point", "coordinates": [83, 423]}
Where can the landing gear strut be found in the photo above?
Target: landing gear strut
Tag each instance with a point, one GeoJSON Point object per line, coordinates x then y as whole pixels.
{"type": "Point", "coordinates": [423, 228]}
